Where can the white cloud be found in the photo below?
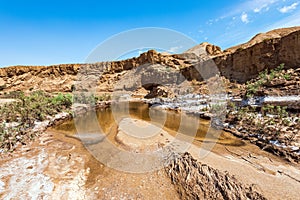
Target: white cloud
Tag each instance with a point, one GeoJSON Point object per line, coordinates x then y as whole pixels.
{"type": "Point", "coordinates": [251, 5]}
{"type": "Point", "coordinates": [244, 18]}
{"type": "Point", "coordinates": [175, 49]}
{"type": "Point", "coordinates": [289, 21]}
{"type": "Point", "coordinates": [260, 8]}
{"type": "Point", "coordinates": [256, 10]}
{"type": "Point", "coordinates": [289, 8]}
{"type": "Point", "coordinates": [247, 6]}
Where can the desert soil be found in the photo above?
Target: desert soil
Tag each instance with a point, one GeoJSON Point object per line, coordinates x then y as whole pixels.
{"type": "Point", "coordinates": [59, 167]}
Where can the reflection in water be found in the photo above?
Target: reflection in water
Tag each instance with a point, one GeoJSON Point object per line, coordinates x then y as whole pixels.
{"type": "Point", "coordinates": [171, 121]}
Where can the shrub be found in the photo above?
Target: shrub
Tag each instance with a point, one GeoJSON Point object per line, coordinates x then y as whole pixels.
{"type": "Point", "coordinates": [265, 77]}
{"type": "Point", "coordinates": [25, 111]}
{"type": "Point", "coordinates": [104, 97]}
{"type": "Point", "coordinates": [281, 111]}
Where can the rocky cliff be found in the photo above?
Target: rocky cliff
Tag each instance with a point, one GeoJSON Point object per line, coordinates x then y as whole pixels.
{"type": "Point", "coordinates": [266, 50]}
{"type": "Point", "coordinates": [50, 78]}
{"type": "Point", "coordinates": [239, 63]}
{"type": "Point", "coordinates": [61, 78]}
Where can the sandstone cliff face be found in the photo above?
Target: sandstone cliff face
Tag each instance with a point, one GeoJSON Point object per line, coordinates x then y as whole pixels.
{"type": "Point", "coordinates": [239, 63]}
{"type": "Point", "coordinates": [61, 78]}
{"type": "Point", "coordinates": [50, 78]}
{"type": "Point", "coordinates": [267, 50]}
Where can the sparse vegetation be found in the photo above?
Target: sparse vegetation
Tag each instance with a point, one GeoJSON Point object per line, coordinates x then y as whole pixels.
{"type": "Point", "coordinates": [264, 78]}
{"type": "Point", "coordinates": [17, 118]}
{"type": "Point", "coordinates": [275, 110]}
{"type": "Point", "coordinates": [104, 97]}
{"type": "Point", "coordinates": [218, 109]}
{"type": "Point", "coordinates": [270, 123]}
{"type": "Point", "coordinates": [287, 76]}
{"type": "Point", "coordinates": [87, 98]}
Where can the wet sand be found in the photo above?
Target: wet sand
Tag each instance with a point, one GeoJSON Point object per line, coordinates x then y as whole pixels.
{"type": "Point", "coordinates": [58, 166]}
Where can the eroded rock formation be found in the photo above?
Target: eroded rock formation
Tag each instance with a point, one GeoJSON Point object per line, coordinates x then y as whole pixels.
{"type": "Point", "coordinates": [239, 63]}
{"type": "Point", "coordinates": [267, 50]}
{"type": "Point", "coordinates": [194, 180]}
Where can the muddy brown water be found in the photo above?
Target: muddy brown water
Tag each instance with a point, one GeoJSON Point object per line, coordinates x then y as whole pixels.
{"type": "Point", "coordinates": [170, 121]}
{"type": "Point", "coordinates": [138, 185]}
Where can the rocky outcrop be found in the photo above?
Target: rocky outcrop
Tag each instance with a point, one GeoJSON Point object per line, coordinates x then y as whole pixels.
{"type": "Point", "coordinates": [194, 180]}
{"type": "Point", "coordinates": [240, 63]}
{"type": "Point", "coordinates": [61, 78]}
{"type": "Point", "coordinates": [49, 78]}
{"type": "Point", "coordinates": [205, 48]}
{"type": "Point", "coordinates": [268, 50]}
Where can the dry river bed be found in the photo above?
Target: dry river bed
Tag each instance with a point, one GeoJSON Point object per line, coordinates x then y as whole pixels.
{"type": "Point", "coordinates": [59, 166]}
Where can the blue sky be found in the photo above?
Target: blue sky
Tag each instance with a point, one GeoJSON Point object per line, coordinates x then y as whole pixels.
{"type": "Point", "coordinates": [53, 32]}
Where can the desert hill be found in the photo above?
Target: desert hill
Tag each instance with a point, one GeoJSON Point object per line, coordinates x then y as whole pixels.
{"type": "Point", "coordinates": [238, 64]}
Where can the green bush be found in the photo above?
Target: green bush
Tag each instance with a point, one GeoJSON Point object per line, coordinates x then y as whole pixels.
{"type": "Point", "coordinates": [264, 77]}
{"type": "Point", "coordinates": [25, 111]}
{"type": "Point", "coordinates": [281, 111]}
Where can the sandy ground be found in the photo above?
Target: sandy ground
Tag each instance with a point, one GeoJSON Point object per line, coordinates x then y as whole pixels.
{"type": "Point", "coordinates": [270, 175]}
{"type": "Point", "coordinates": [59, 167]}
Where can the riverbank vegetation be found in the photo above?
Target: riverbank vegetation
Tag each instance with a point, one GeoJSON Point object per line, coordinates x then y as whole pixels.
{"type": "Point", "coordinates": [267, 78]}
{"type": "Point", "coordinates": [273, 125]}
{"type": "Point", "coordinates": [273, 128]}
{"type": "Point", "coordinates": [19, 117]}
